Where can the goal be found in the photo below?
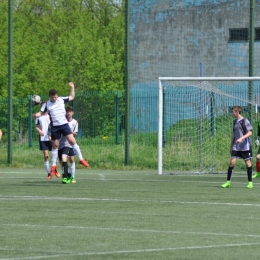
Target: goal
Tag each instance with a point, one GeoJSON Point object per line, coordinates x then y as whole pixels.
{"type": "Point", "coordinates": [195, 124]}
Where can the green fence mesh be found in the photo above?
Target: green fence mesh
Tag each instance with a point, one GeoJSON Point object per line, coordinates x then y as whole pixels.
{"type": "Point", "coordinates": [101, 119]}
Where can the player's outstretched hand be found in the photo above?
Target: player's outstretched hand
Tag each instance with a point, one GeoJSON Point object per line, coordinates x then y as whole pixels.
{"type": "Point", "coordinates": [257, 142]}
{"type": "Point", "coordinates": [71, 84]}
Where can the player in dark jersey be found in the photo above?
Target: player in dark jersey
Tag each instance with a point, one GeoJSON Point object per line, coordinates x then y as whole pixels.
{"type": "Point", "coordinates": [240, 146]}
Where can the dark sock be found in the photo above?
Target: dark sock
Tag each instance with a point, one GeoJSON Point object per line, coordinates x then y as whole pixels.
{"type": "Point", "coordinates": [249, 173]}
{"type": "Point", "coordinates": [229, 173]}
{"type": "Point", "coordinates": [65, 169]}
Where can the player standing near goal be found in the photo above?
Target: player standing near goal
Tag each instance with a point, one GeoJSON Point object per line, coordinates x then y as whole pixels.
{"type": "Point", "coordinates": [45, 144]}
{"type": "Point", "coordinates": [59, 125]}
{"type": "Point", "coordinates": [240, 146]}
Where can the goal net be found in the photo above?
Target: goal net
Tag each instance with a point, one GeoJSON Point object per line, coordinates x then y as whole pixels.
{"type": "Point", "coordinates": [195, 122]}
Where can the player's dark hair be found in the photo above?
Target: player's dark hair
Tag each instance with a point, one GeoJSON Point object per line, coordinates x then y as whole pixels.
{"type": "Point", "coordinates": [237, 108]}
{"type": "Point", "coordinates": [52, 92]}
{"type": "Point", "coordinates": [69, 109]}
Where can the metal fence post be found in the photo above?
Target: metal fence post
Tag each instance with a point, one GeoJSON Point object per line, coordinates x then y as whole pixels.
{"type": "Point", "coordinates": [117, 116]}
{"type": "Point", "coordinates": [30, 120]}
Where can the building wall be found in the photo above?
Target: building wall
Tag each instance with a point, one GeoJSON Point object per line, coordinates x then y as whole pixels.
{"type": "Point", "coordinates": [184, 38]}
{"type": "Point", "coordinates": [173, 37]}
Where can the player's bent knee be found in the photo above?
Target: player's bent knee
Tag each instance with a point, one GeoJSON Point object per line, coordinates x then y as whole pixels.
{"type": "Point", "coordinates": [232, 162]}
{"type": "Point", "coordinates": [248, 164]}
{"type": "Point", "coordinates": [72, 142]}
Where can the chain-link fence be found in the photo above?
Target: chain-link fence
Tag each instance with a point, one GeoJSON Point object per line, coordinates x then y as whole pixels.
{"type": "Point", "coordinates": [101, 135]}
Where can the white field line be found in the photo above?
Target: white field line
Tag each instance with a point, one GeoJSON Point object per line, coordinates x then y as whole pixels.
{"type": "Point", "coordinates": [249, 217]}
{"type": "Point", "coordinates": [4, 197]}
{"type": "Point", "coordinates": [130, 251]}
{"type": "Point", "coordinates": [102, 177]}
{"type": "Point", "coordinates": [133, 230]}
{"type": "Point", "coordinates": [40, 172]}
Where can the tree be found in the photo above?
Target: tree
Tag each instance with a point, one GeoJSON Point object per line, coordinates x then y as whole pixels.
{"type": "Point", "coordinates": [57, 41]}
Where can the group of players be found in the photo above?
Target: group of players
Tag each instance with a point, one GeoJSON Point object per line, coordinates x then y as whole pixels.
{"type": "Point", "coordinates": [56, 122]}
{"type": "Point", "coordinates": [57, 130]}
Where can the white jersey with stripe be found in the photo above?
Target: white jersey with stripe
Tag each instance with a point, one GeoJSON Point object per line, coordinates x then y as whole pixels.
{"type": "Point", "coordinates": [56, 111]}
{"type": "Point", "coordinates": [73, 124]}
{"type": "Point", "coordinates": [44, 123]}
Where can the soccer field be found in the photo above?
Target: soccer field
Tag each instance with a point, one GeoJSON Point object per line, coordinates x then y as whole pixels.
{"type": "Point", "coordinates": [128, 215]}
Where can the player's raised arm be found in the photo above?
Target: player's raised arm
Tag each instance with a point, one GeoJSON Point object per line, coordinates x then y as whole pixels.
{"type": "Point", "coordinates": [72, 91]}
{"type": "Point", "coordinates": [41, 112]}
{"type": "Point", "coordinates": [37, 115]}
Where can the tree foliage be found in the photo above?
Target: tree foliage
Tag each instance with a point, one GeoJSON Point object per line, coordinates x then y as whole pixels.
{"type": "Point", "coordinates": [57, 41]}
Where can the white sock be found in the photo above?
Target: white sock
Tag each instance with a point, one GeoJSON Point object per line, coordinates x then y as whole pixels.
{"type": "Point", "coordinates": [47, 167]}
{"type": "Point", "coordinates": [54, 156]}
{"type": "Point", "coordinates": [72, 169]}
{"type": "Point", "coordinates": [77, 151]}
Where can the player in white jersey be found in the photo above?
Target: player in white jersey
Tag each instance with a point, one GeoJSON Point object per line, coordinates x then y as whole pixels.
{"type": "Point", "coordinates": [66, 150]}
{"type": "Point", "coordinates": [59, 126]}
{"type": "Point", "coordinates": [240, 146]}
{"type": "Point", "coordinates": [45, 144]}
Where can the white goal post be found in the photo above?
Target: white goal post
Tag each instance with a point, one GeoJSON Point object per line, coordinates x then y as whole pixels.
{"type": "Point", "coordinates": [191, 80]}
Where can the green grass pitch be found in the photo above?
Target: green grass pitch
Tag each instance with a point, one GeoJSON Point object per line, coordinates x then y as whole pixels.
{"type": "Point", "coordinates": [127, 215]}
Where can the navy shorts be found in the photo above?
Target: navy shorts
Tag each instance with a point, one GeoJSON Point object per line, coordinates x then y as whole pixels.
{"type": "Point", "coordinates": [57, 131]}
{"type": "Point", "coordinates": [65, 150]}
{"type": "Point", "coordinates": [45, 145]}
{"type": "Point", "coordinates": [246, 155]}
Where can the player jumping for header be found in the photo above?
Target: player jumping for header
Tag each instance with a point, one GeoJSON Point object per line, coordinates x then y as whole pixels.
{"type": "Point", "coordinates": [59, 125]}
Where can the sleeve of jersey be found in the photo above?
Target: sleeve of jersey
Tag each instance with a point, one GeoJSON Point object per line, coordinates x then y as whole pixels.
{"type": "Point", "coordinates": [247, 125]}
{"type": "Point", "coordinates": [43, 107]}
{"type": "Point", "coordinates": [65, 99]}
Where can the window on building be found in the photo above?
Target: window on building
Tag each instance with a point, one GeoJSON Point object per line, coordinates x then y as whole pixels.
{"type": "Point", "coordinates": [257, 34]}
{"type": "Point", "coordinates": [238, 34]}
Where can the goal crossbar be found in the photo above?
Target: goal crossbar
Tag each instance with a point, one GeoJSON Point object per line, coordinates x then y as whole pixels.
{"type": "Point", "coordinates": [160, 104]}
{"type": "Point", "coordinates": [209, 78]}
